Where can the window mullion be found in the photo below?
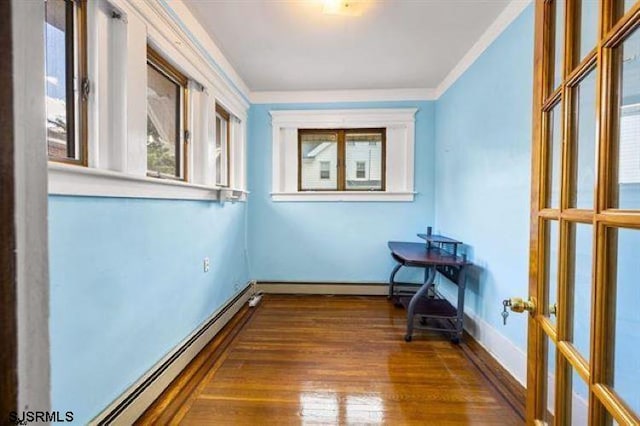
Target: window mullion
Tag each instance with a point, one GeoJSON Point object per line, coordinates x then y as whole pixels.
{"type": "Point", "coordinates": [341, 161]}
{"type": "Point", "coordinates": [70, 66]}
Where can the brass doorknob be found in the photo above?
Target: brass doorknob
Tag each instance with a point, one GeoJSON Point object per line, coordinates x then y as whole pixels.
{"type": "Point", "coordinates": [518, 304]}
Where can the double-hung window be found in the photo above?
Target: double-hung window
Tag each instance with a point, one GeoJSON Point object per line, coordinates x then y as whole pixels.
{"type": "Point", "coordinates": [341, 159]}
{"type": "Point", "coordinates": [167, 133]}
{"type": "Point", "coordinates": [66, 83]}
{"type": "Point", "coordinates": [223, 146]}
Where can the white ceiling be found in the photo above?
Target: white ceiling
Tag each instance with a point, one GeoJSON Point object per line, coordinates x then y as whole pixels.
{"type": "Point", "coordinates": [291, 45]}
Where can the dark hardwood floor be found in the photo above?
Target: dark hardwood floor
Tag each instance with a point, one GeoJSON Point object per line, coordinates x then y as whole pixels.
{"type": "Point", "coordinates": [337, 360]}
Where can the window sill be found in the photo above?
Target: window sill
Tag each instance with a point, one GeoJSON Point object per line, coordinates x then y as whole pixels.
{"type": "Point", "coordinates": [327, 196]}
{"type": "Point", "coordinates": [88, 182]}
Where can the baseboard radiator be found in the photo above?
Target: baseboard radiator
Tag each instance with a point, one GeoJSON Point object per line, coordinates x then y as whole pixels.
{"type": "Point", "coordinates": [133, 402]}
{"type": "Point", "coordinates": [352, 289]}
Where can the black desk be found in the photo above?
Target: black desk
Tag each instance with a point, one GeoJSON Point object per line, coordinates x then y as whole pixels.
{"type": "Point", "coordinates": [426, 302]}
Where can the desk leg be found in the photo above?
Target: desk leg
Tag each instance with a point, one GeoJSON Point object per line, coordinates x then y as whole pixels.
{"type": "Point", "coordinates": [392, 280]}
{"type": "Point", "coordinates": [460, 314]}
{"type": "Point", "coordinates": [424, 290]}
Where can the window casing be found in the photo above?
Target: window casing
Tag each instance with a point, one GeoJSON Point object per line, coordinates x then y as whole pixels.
{"type": "Point", "coordinates": [66, 80]}
{"type": "Point", "coordinates": [223, 146]}
{"type": "Point", "coordinates": [347, 151]}
{"type": "Point", "coordinates": [167, 118]}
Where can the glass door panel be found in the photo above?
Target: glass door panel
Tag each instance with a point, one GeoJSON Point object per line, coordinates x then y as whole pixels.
{"type": "Point", "coordinates": [628, 57]}
{"type": "Point", "coordinates": [555, 156]}
{"type": "Point", "coordinates": [549, 412]}
{"type": "Point", "coordinates": [628, 4]}
{"type": "Point", "coordinates": [553, 246]}
{"type": "Point", "coordinates": [579, 400]}
{"type": "Point", "coordinates": [581, 277]}
{"type": "Point", "coordinates": [587, 31]}
{"type": "Point", "coordinates": [582, 196]}
{"type": "Point", "coordinates": [626, 374]}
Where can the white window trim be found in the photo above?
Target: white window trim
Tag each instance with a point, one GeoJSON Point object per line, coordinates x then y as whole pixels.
{"type": "Point", "coordinates": [400, 148]}
{"type": "Point", "coordinates": [65, 179]}
{"type": "Point", "coordinates": [117, 111]}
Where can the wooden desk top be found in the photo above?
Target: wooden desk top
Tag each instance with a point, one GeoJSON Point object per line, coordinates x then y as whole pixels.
{"type": "Point", "coordinates": [418, 255]}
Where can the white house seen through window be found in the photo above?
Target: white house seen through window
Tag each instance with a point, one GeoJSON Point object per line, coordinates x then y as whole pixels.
{"type": "Point", "coordinates": [341, 160]}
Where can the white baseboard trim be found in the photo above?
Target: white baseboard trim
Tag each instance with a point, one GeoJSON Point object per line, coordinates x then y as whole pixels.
{"type": "Point", "coordinates": [503, 350]}
{"type": "Point", "coordinates": [126, 409]}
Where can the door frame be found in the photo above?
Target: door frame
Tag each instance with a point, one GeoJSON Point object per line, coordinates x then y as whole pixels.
{"type": "Point", "coordinates": [8, 273]}
{"type": "Point", "coordinates": [30, 307]}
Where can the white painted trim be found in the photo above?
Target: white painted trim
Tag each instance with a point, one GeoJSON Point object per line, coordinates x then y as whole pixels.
{"type": "Point", "coordinates": [353, 118]}
{"type": "Point", "coordinates": [506, 17]}
{"type": "Point", "coordinates": [400, 141]}
{"type": "Point", "coordinates": [304, 196]}
{"type": "Point", "coordinates": [84, 181]}
{"type": "Point", "coordinates": [30, 175]}
{"type": "Point", "coordinates": [166, 24]}
{"type": "Point", "coordinates": [205, 44]}
{"type": "Point", "coordinates": [510, 356]}
{"type": "Point", "coordinates": [141, 402]}
{"type": "Point", "coordinates": [324, 96]}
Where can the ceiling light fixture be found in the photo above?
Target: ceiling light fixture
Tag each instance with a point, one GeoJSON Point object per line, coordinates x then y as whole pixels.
{"type": "Point", "coordinates": [341, 7]}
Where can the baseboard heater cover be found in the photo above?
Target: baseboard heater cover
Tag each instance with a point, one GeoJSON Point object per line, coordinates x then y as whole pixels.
{"type": "Point", "coordinates": [335, 288]}
{"type": "Point", "coordinates": [132, 403]}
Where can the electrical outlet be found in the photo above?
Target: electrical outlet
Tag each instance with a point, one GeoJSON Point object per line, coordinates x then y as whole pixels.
{"type": "Point", "coordinates": [206, 264]}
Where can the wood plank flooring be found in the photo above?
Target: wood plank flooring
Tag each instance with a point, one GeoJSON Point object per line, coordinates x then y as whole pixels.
{"type": "Point", "coordinates": [341, 360]}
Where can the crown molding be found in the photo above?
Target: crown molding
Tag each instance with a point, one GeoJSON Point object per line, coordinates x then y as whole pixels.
{"type": "Point", "coordinates": [323, 96]}
{"type": "Point", "coordinates": [195, 35]}
{"type": "Point", "coordinates": [506, 17]}
{"type": "Point", "coordinates": [192, 28]}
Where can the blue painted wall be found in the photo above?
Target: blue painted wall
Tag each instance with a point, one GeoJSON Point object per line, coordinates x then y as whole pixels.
{"type": "Point", "coordinates": [127, 285]}
{"type": "Point", "coordinates": [328, 241]}
{"type": "Point", "coordinates": [483, 153]}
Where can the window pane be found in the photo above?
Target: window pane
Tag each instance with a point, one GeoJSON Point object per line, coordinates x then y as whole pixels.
{"type": "Point", "coordinates": [553, 247]}
{"type": "Point", "coordinates": [363, 160]}
{"type": "Point", "coordinates": [586, 136]}
{"type": "Point", "coordinates": [221, 154]}
{"type": "Point", "coordinates": [318, 161]}
{"type": "Point", "coordinates": [583, 251]}
{"type": "Point", "coordinates": [627, 319]}
{"type": "Point", "coordinates": [60, 103]}
{"type": "Point", "coordinates": [559, 42]}
{"type": "Point", "coordinates": [163, 124]}
{"type": "Point", "coordinates": [588, 26]}
{"type": "Point", "coordinates": [579, 400]}
{"type": "Point", "coordinates": [629, 129]}
{"type": "Point", "coordinates": [555, 155]}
